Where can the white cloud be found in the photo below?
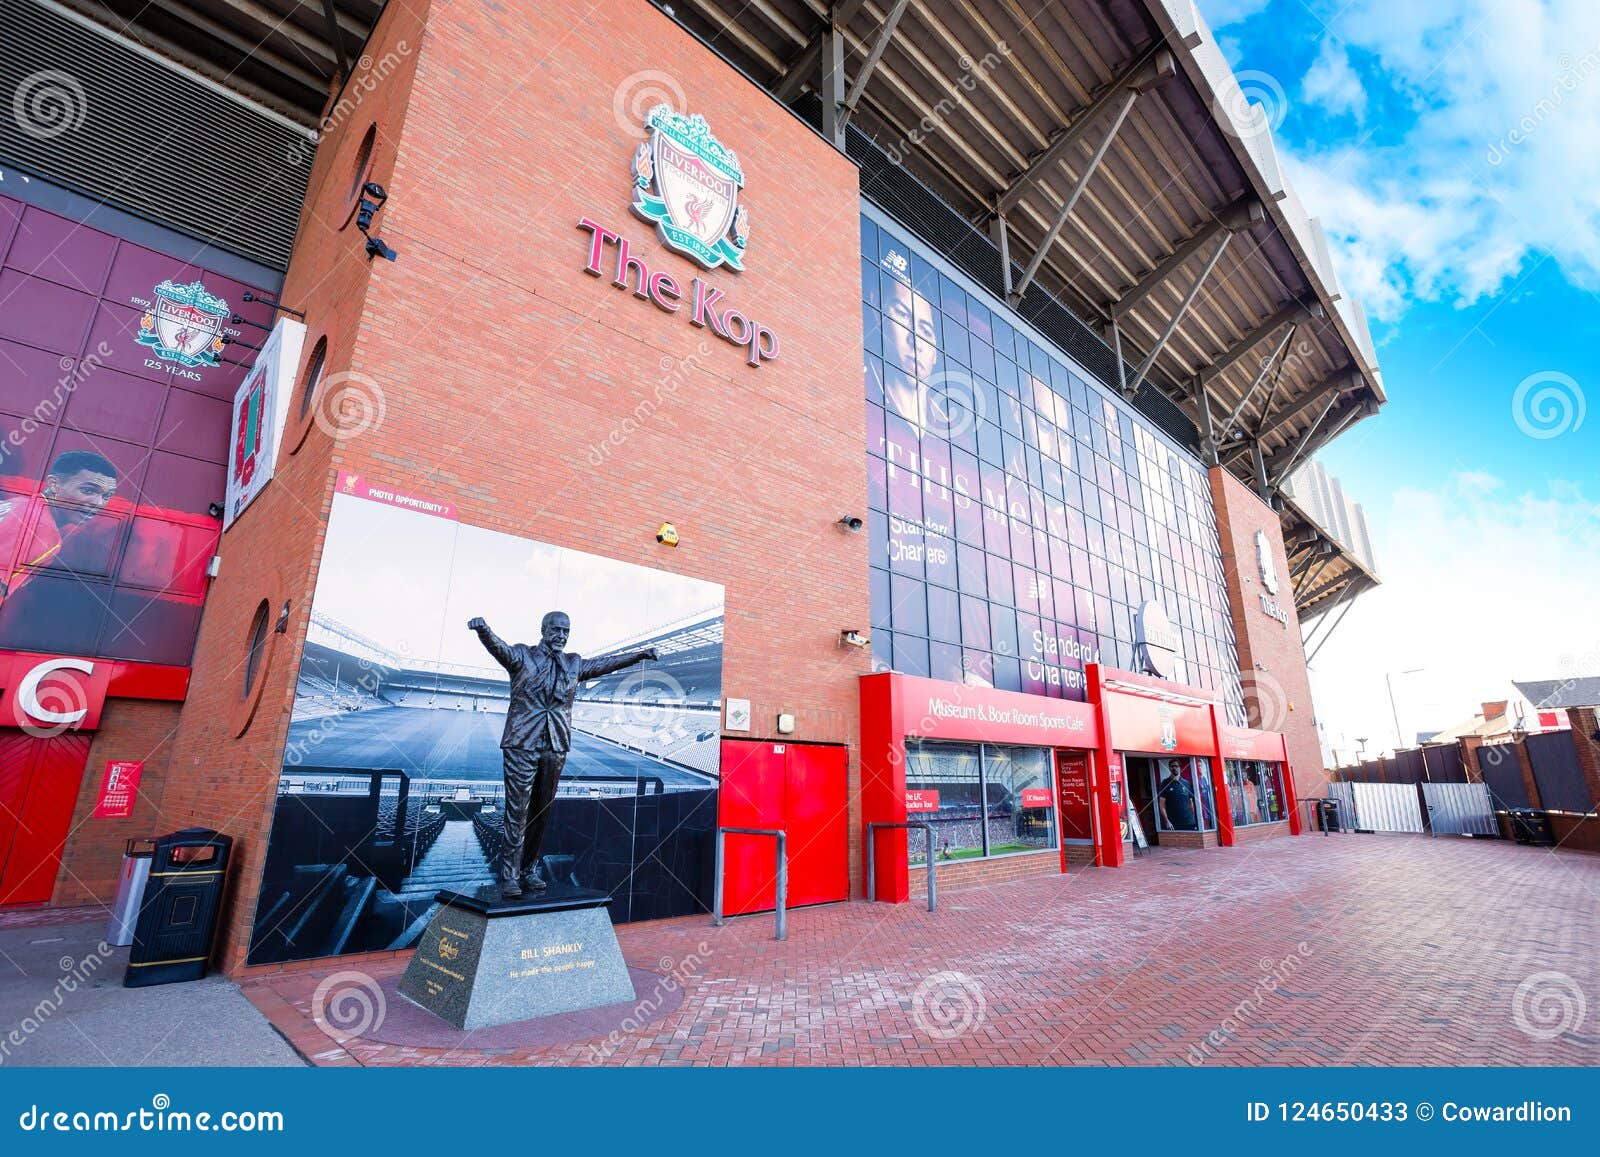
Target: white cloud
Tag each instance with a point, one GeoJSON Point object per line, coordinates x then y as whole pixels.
{"type": "Point", "coordinates": [1332, 82]}
{"type": "Point", "coordinates": [1221, 13]}
{"type": "Point", "coordinates": [1499, 167]}
{"type": "Point", "coordinates": [1481, 584]}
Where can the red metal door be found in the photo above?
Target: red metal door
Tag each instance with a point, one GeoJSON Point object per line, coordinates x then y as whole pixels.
{"type": "Point", "coordinates": [751, 796]}
{"type": "Point", "coordinates": [817, 815]}
{"type": "Point", "coordinates": [39, 781]}
{"type": "Point", "coordinates": [801, 788]}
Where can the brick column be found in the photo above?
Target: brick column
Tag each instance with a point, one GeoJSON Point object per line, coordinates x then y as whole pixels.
{"type": "Point", "coordinates": [1584, 726]}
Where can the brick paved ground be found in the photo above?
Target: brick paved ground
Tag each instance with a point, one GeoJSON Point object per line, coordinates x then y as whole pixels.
{"type": "Point", "coordinates": [1381, 950]}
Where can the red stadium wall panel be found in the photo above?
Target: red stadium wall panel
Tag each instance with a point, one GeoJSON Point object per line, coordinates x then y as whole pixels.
{"type": "Point", "coordinates": [498, 367]}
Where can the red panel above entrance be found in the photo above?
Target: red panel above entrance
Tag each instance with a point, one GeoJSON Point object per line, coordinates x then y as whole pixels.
{"type": "Point", "coordinates": [931, 709]}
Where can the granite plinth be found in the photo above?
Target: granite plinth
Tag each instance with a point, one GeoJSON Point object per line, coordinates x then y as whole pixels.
{"type": "Point", "coordinates": [485, 961]}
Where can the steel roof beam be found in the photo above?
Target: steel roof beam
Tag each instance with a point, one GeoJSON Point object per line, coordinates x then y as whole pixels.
{"type": "Point", "coordinates": [1261, 376]}
{"type": "Point", "coordinates": [1310, 442]}
{"type": "Point", "coordinates": [335, 36]}
{"type": "Point", "coordinates": [803, 69]}
{"type": "Point", "coordinates": [1145, 73]}
{"type": "Point", "coordinates": [1178, 315]}
{"type": "Point", "coordinates": [1294, 311]}
{"type": "Point", "coordinates": [1124, 107]}
{"type": "Point", "coordinates": [874, 54]}
{"type": "Point", "coordinates": [1236, 217]}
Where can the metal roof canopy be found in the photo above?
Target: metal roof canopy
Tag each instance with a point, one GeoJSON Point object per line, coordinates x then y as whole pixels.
{"type": "Point", "coordinates": [280, 53]}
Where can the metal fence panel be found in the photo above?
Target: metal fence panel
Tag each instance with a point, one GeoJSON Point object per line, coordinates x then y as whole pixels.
{"type": "Point", "coordinates": [1554, 756]}
{"type": "Point", "coordinates": [1388, 807]}
{"type": "Point", "coordinates": [1502, 775]}
{"type": "Point", "coordinates": [1458, 809]}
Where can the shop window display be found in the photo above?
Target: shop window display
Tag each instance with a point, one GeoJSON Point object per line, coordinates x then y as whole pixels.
{"type": "Point", "coordinates": [982, 799]}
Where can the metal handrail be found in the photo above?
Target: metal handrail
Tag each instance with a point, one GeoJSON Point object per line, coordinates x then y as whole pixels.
{"type": "Point", "coordinates": [872, 857]}
{"type": "Point", "coordinates": [783, 874]}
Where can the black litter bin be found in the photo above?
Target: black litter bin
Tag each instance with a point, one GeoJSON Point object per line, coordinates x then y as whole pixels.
{"type": "Point", "coordinates": [1532, 826]}
{"type": "Point", "coordinates": [1330, 814]}
{"type": "Point", "coordinates": [177, 924]}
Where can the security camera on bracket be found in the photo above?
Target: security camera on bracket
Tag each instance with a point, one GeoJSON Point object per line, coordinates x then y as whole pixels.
{"type": "Point", "coordinates": [364, 214]}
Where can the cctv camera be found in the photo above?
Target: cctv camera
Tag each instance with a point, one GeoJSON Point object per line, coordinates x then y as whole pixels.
{"type": "Point", "coordinates": [667, 535]}
{"type": "Point", "coordinates": [850, 522]}
{"type": "Point", "coordinates": [851, 638]}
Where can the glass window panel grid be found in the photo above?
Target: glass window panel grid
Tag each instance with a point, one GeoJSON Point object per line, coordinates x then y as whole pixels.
{"type": "Point", "coordinates": [1056, 503]}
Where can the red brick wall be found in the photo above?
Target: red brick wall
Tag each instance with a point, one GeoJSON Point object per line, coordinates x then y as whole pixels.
{"type": "Point", "coordinates": [1272, 661]}
{"type": "Point", "coordinates": [1187, 839]}
{"type": "Point", "coordinates": [981, 873]}
{"type": "Point", "coordinates": [500, 364]}
{"type": "Point", "coordinates": [92, 860]}
{"type": "Point", "coordinates": [219, 778]}
{"type": "Point", "coordinates": [1254, 832]}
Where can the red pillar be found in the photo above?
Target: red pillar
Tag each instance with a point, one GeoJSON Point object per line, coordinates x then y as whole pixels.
{"type": "Point", "coordinates": [1290, 800]}
{"type": "Point", "coordinates": [883, 785]}
{"type": "Point", "coordinates": [1108, 851]}
{"type": "Point", "coordinates": [1219, 782]}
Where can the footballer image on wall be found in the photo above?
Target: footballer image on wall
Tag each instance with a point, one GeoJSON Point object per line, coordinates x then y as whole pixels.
{"type": "Point", "coordinates": [391, 785]}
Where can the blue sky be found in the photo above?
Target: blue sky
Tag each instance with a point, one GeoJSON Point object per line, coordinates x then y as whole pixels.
{"type": "Point", "coordinates": [1452, 152]}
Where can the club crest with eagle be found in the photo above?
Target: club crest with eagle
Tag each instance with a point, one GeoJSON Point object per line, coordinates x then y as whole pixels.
{"type": "Point", "coordinates": [687, 184]}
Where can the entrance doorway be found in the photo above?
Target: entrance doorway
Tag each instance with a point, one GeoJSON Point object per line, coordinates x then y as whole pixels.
{"type": "Point", "coordinates": [1141, 801]}
{"type": "Point", "coordinates": [802, 788]}
{"type": "Point", "coordinates": [39, 780]}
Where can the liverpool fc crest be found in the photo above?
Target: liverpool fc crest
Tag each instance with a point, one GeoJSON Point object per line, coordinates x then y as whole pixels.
{"type": "Point", "coordinates": [184, 325]}
{"type": "Point", "coordinates": [688, 184]}
{"type": "Point", "coordinates": [1264, 560]}
{"type": "Point", "coordinates": [1169, 727]}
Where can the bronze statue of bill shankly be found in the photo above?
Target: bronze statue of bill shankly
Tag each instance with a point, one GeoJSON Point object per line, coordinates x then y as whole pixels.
{"type": "Point", "coordinates": [538, 735]}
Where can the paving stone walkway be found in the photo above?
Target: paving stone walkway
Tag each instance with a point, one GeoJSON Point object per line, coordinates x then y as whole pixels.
{"type": "Point", "coordinates": [1343, 950]}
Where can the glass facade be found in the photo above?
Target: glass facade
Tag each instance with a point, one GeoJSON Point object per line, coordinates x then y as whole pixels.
{"type": "Point", "coordinates": [1019, 514]}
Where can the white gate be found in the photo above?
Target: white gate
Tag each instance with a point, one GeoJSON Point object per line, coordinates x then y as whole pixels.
{"type": "Point", "coordinates": [1387, 807]}
{"type": "Point", "coordinates": [1459, 809]}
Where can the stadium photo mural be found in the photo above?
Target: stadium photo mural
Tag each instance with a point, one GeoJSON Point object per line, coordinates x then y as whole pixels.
{"type": "Point", "coordinates": [392, 783]}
